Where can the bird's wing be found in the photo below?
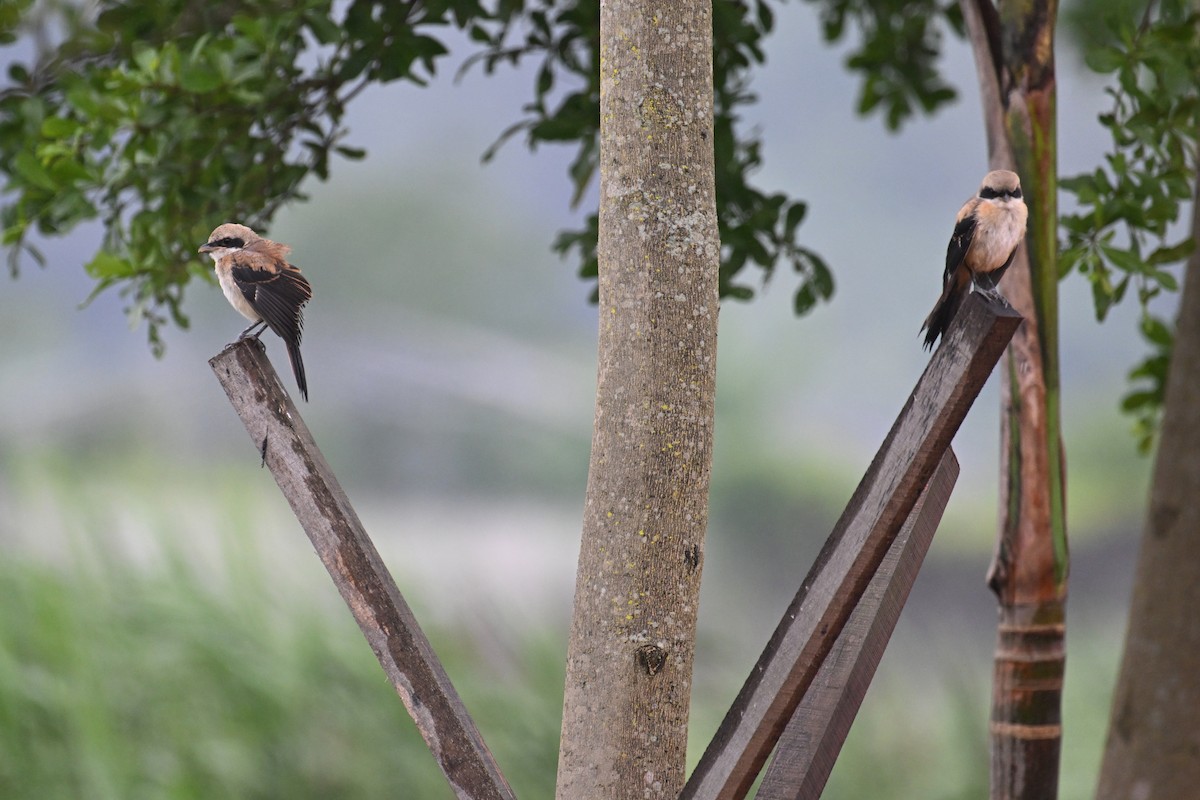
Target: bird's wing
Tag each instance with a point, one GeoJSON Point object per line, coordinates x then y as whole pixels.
{"type": "Point", "coordinates": [277, 294]}
{"type": "Point", "coordinates": [960, 242]}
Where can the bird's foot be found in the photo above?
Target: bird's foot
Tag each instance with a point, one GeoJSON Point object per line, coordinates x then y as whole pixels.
{"type": "Point", "coordinates": [993, 295]}
{"type": "Point", "coordinates": [246, 334]}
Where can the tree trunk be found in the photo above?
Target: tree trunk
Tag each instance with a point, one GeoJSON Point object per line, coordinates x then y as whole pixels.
{"type": "Point", "coordinates": [1153, 748]}
{"type": "Point", "coordinates": [1014, 50]}
{"type": "Point", "coordinates": [629, 663]}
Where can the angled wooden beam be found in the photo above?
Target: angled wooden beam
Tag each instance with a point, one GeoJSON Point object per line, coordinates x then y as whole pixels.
{"type": "Point", "coordinates": [883, 500]}
{"type": "Point", "coordinates": [288, 450]}
{"type": "Point", "coordinates": [810, 743]}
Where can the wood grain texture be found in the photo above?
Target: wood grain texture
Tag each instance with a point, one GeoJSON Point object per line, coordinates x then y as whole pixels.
{"type": "Point", "coordinates": [812, 740]}
{"type": "Point", "coordinates": [883, 500]}
{"type": "Point", "coordinates": [288, 450]}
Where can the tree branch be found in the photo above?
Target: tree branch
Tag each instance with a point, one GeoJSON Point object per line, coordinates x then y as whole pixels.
{"type": "Point", "coordinates": [288, 449]}
{"type": "Point", "coordinates": [983, 31]}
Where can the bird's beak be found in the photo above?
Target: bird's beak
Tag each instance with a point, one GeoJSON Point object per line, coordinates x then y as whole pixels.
{"type": "Point", "coordinates": [206, 248]}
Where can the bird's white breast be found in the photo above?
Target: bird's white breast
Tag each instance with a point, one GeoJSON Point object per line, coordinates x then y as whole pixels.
{"type": "Point", "coordinates": [1000, 227]}
{"type": "Point", "coordinates": [234, 295]}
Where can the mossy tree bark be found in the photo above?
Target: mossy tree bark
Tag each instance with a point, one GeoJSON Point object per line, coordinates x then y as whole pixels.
{"type": "Point", "coordinates": [1014, 53]}
{"type": "Point", "coordinates": [629, 666]}
{"type": "Point", "coordinates": [1153, 747]}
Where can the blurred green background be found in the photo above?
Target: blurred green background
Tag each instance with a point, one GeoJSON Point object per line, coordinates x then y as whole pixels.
{"type": "Point", "coordinates": [168, 633]}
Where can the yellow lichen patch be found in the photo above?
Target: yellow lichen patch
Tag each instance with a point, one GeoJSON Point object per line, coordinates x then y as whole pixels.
{"type": "Point", "coordinates": [659, 111]}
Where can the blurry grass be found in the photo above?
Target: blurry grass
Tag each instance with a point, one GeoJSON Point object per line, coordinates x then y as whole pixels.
{"type": "Point", "coordinates": [152, 671]}
{"type": "Point", "coordinates": [922, 731]}
{"type": "Point", "coordinates": [158, 641]}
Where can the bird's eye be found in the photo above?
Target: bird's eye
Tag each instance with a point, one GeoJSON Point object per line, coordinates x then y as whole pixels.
{"type": "Point", "coordinates": [988, 193]}
{"type": "Point", "coordinates": [1016, 193]}
{"type": "Point", "coordinates": [229, 241]}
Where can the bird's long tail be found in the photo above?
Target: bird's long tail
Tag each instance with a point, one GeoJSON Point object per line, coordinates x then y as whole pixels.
{"type": "Point", "coordinates": [943, 312]}
{"type": "Point", "coordinates": [293, 349]}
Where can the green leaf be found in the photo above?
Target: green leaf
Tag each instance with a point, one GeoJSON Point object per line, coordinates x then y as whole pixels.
{"type": "Point", "coordinates": [804, 300]}
{"type": "Point", "coordinates": [1171, 254]}
{"type": "Point", "coordinates": [1104, 59]}
{"type": "Point", "coordinates": [324, 29]}
{"type": "Point", "coordinates": [1123, 258]}
{"type": "Point", "coordinates": [1136, 400]}
{"type": "Point", "coordinates": [545, 80]}
{"type": "Point", "coordinates": [1103, 296]}
{"type": "Point", "coordinates": [355, 63]}
{"type": "Point", "coordinates": [58, 127]}
{"type": "Point", "coordinates": [198, 76]}
{"type": "Point", "coordinates": [1156, 331]}
{"type": "Point", "coordinates": [31, 170]}
{"type": "Point", "coordinates": [795, 215]}
{"type": "Point", "coordinates": [106, 266]}
{"type": "Point", "coordinates": [1118, 291]}
{"type": "Point", "coordinates": [1165, 279]}
{"type": "Point", "coordinates": [145, 57]}
{"type": "Point", "coordinates": [822, 277]}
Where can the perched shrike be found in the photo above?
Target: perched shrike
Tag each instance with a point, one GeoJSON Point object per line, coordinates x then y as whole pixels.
{"type": "Point", "coordinates": [986, 234]}
{"type": "Point", "coordinates": [264, 288]}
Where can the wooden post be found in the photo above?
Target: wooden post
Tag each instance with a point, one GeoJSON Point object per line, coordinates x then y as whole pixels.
{"type": "Point", "coordinates": [884, 499]}
{"type": "Point", "coordinates": [812, 740]}
{"type": "Point", "coordinates": [288, 450]}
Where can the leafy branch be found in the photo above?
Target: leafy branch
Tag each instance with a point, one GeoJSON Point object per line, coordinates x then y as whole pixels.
{"type": "Point", "coordinates": [1123, 233]}
{"type": "Point", "coordinates": [899, 46]}
{"type": "Point", "coordinates": [756, 228]}
{"type": "Point", "coordinates": [165, 119]}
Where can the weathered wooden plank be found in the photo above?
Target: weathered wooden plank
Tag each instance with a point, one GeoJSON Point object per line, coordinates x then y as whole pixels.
{"type": "Point", "coordinates": [342, 544]}
{"type": "Point", "coordinates": [813, 738]}
{"type": "Point", "coordinates": [883, 500]}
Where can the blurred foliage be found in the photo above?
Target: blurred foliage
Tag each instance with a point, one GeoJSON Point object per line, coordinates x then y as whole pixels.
{"type": "Point", "coordinates": [167, 688]}
{"type": "Point", "coordinates": [1124, 232]}
{"type": "Point", "coordinates": [756, 228]}
{"type": "Point", "coordinates": [899, 45]}
{"type": "Point", "coordinates": [141, 658]}
{"type": "Point", "coordinates": [138, 662]}
{"type": "Point", "coordinates": [165, 119]}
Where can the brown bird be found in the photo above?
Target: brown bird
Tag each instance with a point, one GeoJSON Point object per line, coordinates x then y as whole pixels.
{"type": "Point", "coordinates": [264, 288]}
{"type": "Point", "coordinates": [986, 234]}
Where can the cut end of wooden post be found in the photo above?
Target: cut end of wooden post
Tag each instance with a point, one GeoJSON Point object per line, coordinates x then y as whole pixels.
{"type": "Point", "coordinates": [230, 350]}
{"type": "Point", "coordinates": [245, 372]}
{"type": "Point", "coordinates": [977, 316]}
